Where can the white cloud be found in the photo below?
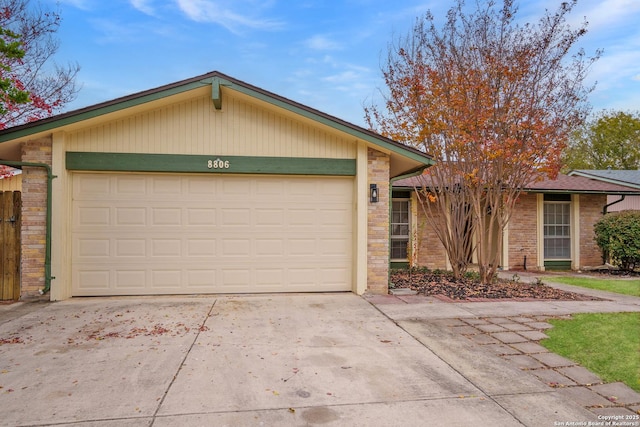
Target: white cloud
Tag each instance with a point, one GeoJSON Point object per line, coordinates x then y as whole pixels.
{"type": "Point", "coordinates": [609, 12]}
{"type": "Point", "coordinates": [222, 13]}
{"type": "Point", "coordinates": [319, 42]}
{"type": "Point", "coordinates": [80, 4]}
{"type": "Point", "coordinates": [616, 67]}
{"type": "Point", "coordinates": [143, 6]}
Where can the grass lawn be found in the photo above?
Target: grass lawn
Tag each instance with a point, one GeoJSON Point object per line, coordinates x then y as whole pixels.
{"type": "Point", "coordinates": [606, 344]}
{"type": "Point", "coordinates": [626, 286]}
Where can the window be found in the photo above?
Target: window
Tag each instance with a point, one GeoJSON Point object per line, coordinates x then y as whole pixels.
{"type": "Point", "coordinates": [557, 230]}
{"type": "Point", "coordinates": [399, 229]}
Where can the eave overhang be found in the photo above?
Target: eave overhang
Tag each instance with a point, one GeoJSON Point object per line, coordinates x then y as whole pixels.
{"type": "Point", "coordinates": [404, 159]}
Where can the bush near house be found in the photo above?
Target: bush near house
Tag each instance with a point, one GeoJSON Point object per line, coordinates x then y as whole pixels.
{"type": "Point", "coordinates": [618, 235]}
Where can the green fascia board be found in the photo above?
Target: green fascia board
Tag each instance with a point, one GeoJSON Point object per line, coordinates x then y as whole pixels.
{"type": "Point", "coordinates": [216, 80]}
{"type": "Point", "coordinates": [90, 113]}
{"type": "Point", "coordinates": [181, 163]}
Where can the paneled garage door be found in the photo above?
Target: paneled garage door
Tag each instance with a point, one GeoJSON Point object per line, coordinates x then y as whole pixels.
{"type": "Point", "coordinates": [181, 234]}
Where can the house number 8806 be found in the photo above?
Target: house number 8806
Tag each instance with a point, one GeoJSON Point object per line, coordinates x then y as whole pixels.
{"type": "Point", "coordinates": [218, 164]}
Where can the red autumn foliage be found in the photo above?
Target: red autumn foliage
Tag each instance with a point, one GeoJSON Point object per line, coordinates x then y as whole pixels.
{"type": "Point", "coordinates": [494, 102]}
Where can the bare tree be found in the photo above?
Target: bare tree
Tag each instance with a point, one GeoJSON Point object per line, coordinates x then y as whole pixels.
{"type": "Point", "coordinates": [50, 86]}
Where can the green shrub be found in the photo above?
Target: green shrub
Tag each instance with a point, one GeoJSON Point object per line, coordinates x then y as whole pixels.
{"type": "Point", "coordinates": [618, 235]}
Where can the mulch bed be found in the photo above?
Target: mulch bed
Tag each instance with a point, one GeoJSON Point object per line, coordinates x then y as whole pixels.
{"type": "Point", "coordinates": [441, 285]}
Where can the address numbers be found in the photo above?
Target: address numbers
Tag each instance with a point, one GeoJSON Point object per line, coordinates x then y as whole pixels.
{"type": "Point", "coordinates": [218, 164]}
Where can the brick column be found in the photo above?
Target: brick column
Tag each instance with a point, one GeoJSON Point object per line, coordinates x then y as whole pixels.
{"type": "Point", "coordinates": [378, 224]}
{"type": "Point", "coordinates": [34, 215]}
{"type": "Point", "coordinates": [523, 233]}
{"type": "Point", "coordinates": [590, 212]}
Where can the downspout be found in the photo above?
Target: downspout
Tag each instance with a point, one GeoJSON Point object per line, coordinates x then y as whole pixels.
{"type": "Point", "coordinates": [391, 181]}
{"type": "Point", "coordinates": [604, 210]}
{"type": "Point", "coordinates": [47, 255]}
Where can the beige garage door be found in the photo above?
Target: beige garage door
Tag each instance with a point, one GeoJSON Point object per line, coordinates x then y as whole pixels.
{"type": "Point", "coordinates": [182, 234]}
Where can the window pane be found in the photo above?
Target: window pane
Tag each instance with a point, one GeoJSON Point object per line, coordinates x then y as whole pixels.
{"type": "Point", "coordinates": [557, 230]}
{"type": "Point", "coordinates": [399, 249]}
{"type": "Point", "coordinates": [399, 229]}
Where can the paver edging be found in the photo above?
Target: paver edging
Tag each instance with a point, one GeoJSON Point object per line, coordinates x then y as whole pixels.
{"type": "Point", "coordinates": [584, 392]}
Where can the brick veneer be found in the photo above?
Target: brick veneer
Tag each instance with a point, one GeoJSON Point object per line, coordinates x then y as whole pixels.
{"type": "Point", "coordinates": [590, 212]}
{"type": "Point", "coordinates": [34, 211]}
{"type": "Point", "coordinates": [523, 234]}
{"type": "Point", "coordinates": [378, 224]}
{"type": "Point", "coordinates": [431, 252]}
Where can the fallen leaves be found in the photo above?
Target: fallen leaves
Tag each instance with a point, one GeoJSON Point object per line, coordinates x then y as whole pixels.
{"type": "Point", "coordinates": [431, 283]}
{"type": "Point", "coordinates": [155, 331]}
{"type": "Point", "coordinates": [12, 340]}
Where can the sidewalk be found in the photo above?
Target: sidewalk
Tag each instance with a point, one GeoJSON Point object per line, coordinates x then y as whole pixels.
{"type": "Point", "coordinates": [487, 341]}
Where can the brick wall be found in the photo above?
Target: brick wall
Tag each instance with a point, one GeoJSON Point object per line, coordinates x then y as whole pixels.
{"type": "Point", "coordinates": [431, 252]}
{"type": "Point", "coordinates": [523, 234]}
{"type": "Point", "coordinates": [378, 224]}
{"type": "Point", "coordinates": [590, 212]}
{"type": "Point", "coordinates": [34, 211]}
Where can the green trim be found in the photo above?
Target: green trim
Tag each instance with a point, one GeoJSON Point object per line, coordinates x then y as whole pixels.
{"type": "Point", "coordinates": [216, 80]}
{"type": "Point", "coordinates": [399, 265]}
{"type": "Point", "coordinates": [93, 113]}
{"type": "Point", "coordinates": [216, 93]}
{"type": "Point", "coordinates": [133, 162]}
{"type": "Point", "coordinates": [47, 248]}
{"type": "Point", "coordinates": [557, 265]}
{"type": "Point", "coordinates": [390, 213]}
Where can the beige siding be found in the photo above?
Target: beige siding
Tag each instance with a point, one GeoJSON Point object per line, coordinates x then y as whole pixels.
{"type": "Point", "coordinates": [629, 203]}
{"type": "Point", "coordinates": [193, 126]}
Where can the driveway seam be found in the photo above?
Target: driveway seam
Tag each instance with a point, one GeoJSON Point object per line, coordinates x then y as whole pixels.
{"type": "Point", "coordinates": [453, 368]}
{"type": "Point", "coordinates": [195, 339]}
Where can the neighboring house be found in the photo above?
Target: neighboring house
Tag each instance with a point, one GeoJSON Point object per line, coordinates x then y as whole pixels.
{"type": "Point", "coordinates": [629, 178]}
{"type": "Point", "coordinates": [551, 226]}
{"type": "Point", "coordinates": [207, 185]}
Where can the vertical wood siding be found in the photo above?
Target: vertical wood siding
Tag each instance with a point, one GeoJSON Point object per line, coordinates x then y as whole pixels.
{"type": "Point", "coordinates": [195, 127]}
{"type": "Point", "coordinates": [11, 184]}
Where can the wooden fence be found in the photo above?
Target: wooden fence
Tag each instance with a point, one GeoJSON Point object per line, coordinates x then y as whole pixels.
{"type": "Point", "coordinates": [10, 204]}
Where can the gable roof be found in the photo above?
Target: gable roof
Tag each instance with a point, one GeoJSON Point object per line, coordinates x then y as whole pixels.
{"type": "Point", "coordinates": [562, 184]}
{"type": "Point", "coordinates": [409, 159]}
{"type": "Point", "coordinates": [630, 178]}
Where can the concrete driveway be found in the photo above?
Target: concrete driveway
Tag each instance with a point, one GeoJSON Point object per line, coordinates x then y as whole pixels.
{"type": "Point", "coordinates": [258, 360]}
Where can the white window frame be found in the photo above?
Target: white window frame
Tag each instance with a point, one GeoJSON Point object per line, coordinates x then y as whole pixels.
{"type": "Point", "coordinates": [568, 237]}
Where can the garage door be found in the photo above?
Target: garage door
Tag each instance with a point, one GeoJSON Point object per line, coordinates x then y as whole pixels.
{"type": "Point", "coordinates": [183, 234]}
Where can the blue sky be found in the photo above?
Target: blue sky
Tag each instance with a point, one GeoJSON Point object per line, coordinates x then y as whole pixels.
{"type": "Point", "coordinates": [322, 53]}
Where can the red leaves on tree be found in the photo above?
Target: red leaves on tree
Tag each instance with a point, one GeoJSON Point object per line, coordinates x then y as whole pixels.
{"type": "Point", "coordinates": [494, 101]}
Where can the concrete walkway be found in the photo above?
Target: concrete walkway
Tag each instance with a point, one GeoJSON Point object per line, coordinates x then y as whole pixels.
{"type": "Point", "coordinates": [492, 344]}
{"type": "Point", "coordinates": [284, 360]}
